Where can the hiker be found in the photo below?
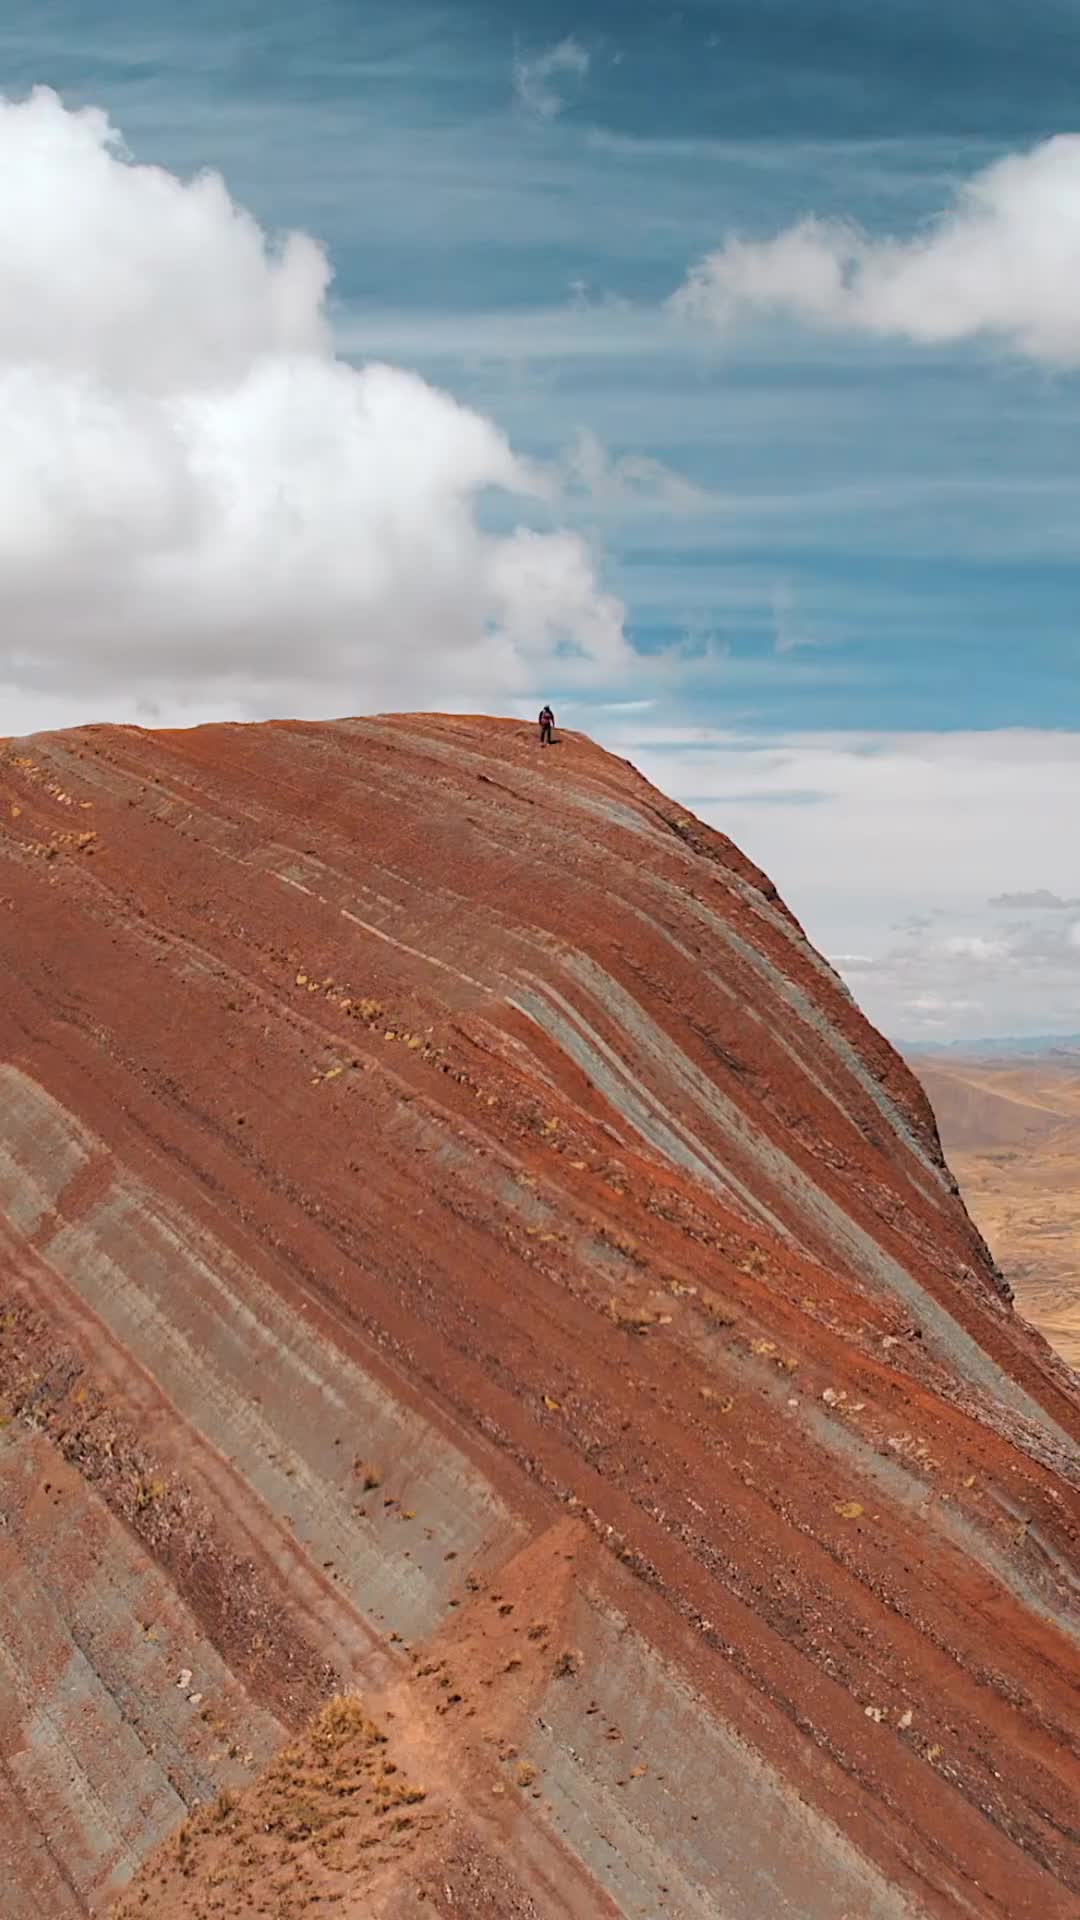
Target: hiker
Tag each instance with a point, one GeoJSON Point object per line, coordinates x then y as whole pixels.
{"type": "Point", "coordinates": [547, 726]}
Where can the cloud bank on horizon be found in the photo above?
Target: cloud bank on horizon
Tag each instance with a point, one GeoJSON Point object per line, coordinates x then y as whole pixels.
{"type": "Point", "coordinates": [1002, 261]}
{"type": "Point", "coordinates": [897, 842]}
{"type": "Point", "coordinates": [200, 502]}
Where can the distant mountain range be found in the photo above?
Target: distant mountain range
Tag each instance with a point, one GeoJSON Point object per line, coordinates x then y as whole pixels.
{"type": "Point", "coordinates": [1001, 1046]}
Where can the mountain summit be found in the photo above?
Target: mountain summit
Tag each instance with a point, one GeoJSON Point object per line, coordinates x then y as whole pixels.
{"type": "Point", "coordinates": [503, 1405]}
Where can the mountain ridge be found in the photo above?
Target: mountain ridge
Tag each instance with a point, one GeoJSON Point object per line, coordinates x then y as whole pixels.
{"type": "Point", "coordinates": [440, 1184]}
{"type": "Point", "coordinates": [993, 1047]}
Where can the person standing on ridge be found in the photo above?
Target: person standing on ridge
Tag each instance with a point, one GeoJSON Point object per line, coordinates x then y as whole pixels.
{"type": "Point", "coordinates": [547, 726]}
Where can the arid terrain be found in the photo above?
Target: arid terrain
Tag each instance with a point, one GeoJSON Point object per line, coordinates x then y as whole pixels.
{"type": "Point", "coordinates": [1011, 1132]}
{"type": "Point", "coordinates": [503, 1411]}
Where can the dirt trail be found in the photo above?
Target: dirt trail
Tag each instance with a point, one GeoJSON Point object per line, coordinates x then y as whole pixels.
{"type": "Point", "coordinates": [464, 1254]}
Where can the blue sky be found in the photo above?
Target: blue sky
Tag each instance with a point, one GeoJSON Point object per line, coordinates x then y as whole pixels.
{"type": "Point", "coordinates": [819, 533]}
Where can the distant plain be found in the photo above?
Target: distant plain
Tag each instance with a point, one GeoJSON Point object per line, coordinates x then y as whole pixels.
{"type": "Point", "coordinates": [1011, 1133]}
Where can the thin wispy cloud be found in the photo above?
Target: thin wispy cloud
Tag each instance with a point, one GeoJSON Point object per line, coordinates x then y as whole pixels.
{"type": "Point", "coordinates": [1040, 899]}
{"type": "Point", "coordinates": [630, 479]}
{"type": "Point", "coordinates": [790, 626]}
{"type": "Point", "coordinates": [1000, 262]}
{"type": "Point", "coordinates": [579, 328]}
{"type": "Point", "coordinates": [541, 80]}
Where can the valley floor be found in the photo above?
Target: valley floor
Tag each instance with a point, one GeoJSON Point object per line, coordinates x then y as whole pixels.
{"type": "Point", "coordinates": [1011, 1134]}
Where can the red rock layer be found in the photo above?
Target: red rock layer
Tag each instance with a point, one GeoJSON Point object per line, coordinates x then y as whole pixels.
{"type": "Point", "coordinates": [459, 1241]}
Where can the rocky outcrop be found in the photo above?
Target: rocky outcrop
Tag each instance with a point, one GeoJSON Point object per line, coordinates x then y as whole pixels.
{"type": "Point", "coordinates": [462, 1247]}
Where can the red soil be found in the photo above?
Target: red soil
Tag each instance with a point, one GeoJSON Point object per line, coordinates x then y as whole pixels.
{"type": "Point", "coordinates": [460, 1245]}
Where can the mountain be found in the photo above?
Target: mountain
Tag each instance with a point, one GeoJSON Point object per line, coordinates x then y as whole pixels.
{"type": "Point", "coordinates": [504, 1411]}
{"type": "Point", "coordinates": [1001, 1047]}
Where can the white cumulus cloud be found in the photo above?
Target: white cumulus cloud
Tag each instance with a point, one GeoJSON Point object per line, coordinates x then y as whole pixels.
{"type": "Point", "coordinates": [537, 78]}
{"type": "Point", "coordinates": [1001, 261]}
{"type": "Point", "coordinates": [200, 503]}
